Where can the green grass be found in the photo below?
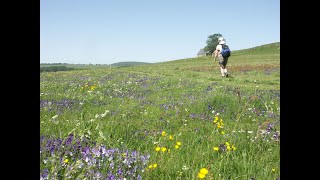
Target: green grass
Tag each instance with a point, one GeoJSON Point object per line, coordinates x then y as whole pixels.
{"type": "Point", "coordinates": [182, 98]}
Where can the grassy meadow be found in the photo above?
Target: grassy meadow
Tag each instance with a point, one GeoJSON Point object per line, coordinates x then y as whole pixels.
{"type": "Point", "coordinates": [164, 121]}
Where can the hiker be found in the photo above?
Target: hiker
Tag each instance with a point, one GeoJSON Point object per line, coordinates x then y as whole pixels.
{"type": "Point", "coordinates": [222, 60]}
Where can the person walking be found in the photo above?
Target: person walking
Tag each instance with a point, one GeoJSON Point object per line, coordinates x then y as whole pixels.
{"type": "Point", "coordinates": [222, 60]}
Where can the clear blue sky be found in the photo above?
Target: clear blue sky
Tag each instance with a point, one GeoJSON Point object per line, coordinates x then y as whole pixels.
{"type": "Point", "coordinates": [110, 31]}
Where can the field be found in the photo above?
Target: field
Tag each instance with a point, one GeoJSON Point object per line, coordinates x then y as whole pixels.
{"type": "Point", "coordinates": [171, 120]}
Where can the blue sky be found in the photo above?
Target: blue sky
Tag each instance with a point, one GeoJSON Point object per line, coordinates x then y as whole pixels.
{"type": "Point", "coordinates": [110, 31]}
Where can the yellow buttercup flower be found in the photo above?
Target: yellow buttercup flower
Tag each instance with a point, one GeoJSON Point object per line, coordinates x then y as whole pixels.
{"type": "Point", "coordinates": [204, 171]}
{"type": "Point", "coordinates": [178, 143]}
{"type": "Point", "coordinates": [171, 137]}
{"type": "Point", "coordinates": [150, 166]}
{"type": "Point", "coordinates": [222, 132]}
{"type": "Point", "coordinates": [273, 170]}
{"type": "Point", "coordinates": [201, 176]}
{"type": "Point", "coordinates": [215, 119]}
{"type": "Point", "coordinates": [233, 147]}
{"type": "Point", "coordinates": [228, 148]}
{"type": "Point", "coordinates": [163, 133]}
{"type": "Point", "coordinates": [163, 149]}
{"type": "Point", "coordinates": [66, 161]}
{"type": "Point", "coordinates": [216, 148]}
{"type": "Point", "coordinates": [228, 144]}
{"type": "Point", "coordinates": [176, 146]}
{"type": "Point", "coordinates": [155, 165]}
{"type": "Point", "coordinates": [157, 149]}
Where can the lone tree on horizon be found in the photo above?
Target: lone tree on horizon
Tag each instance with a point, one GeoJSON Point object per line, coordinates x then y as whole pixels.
{"type": "Point", "coordinates": [212, 42]}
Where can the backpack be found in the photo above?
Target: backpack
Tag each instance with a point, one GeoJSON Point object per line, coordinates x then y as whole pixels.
{"type": "Point", "coordinates": [225, 51]}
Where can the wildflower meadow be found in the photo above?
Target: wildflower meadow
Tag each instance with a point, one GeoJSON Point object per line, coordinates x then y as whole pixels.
{"type": "Point", "coordinates": [175, 120]}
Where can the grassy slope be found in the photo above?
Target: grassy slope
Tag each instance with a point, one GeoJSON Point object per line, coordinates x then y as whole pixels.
{"type": "Point", "coordinates": [243, 65]}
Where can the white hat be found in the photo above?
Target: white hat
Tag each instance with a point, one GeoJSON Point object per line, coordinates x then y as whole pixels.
{"type": "Point", "coordinates": [220, 39]}
{"type": "Point", "coordinates": [222, 42]}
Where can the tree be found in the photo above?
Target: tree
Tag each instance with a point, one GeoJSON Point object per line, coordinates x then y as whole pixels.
{"type": "Point", "coordinates": [212, 42]}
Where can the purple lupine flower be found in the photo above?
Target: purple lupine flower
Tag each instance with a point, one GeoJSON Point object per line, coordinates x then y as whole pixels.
{"type": "Point", "coordinates": [111, 165]}
{"type": "Point", "coordinates": [111, 177]}
{"type": "Point", "coordinates": [103, 150]}
{"type": "Point", "coordinates": [98, 175]}
{"type": "Point", "coordinates": [192, 115]}
{"type": "Point", "coordinates": [119, 172]}
{"type": "Point", "coordinates": [96, 152]}
{"type": "Point", "coordinates": [69, 140]}
{"type": "Point", "coordinates": [276, 136]}
{"type": "Point", "coordinates": [44, 174]}
{"type": "Point", "coordinates": [85, 151]}
{"type": "Point", "coordinates": [269, 128]}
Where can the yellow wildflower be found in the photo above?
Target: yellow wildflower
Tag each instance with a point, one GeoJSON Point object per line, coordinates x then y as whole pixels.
{"type": "Point", "coordinates": [150, 166]}
{"type": "Point", "coordinates": [178, 143]}
{"type": "Point", "coordinates": [201, 176]}
{"type": "Point", "coordinates": [216, 148]}
{"type": "Point", "coordinates": [233, 147]}
{"type": "Point", "coordinates": [157, 149]}
{"type": "Point", "coordinates": [204, 171]}
{"type": "Point", "coordinates": [228, 144]}
{"type": "Point", "coordinates": [273, 170]}
{"type": "Point", "coordinates": [222, 132]}
{"type": "Point", "coordinates": [163, 149]}
{"type": "Point", "coordinates": [66, 161]}
{"type": "Point", "coordinates": [171, 137]}
{"type": "Point", "coordinates": [176, 146]}
{"type": "Point", "coordinates": [155, 165]}
{"type": "Point", "coordinates": [163, 133]}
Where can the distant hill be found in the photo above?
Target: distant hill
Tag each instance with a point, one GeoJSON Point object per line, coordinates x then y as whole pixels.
{"type": "Point", "coordinates": [129, 63]}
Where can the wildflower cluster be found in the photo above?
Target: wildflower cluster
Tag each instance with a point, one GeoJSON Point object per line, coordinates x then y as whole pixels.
{"type": "Point", "coordinates": [76, 158]}
{"type": "Point", "coordinates": [270, 132]}
{"type": "Point", "coordinates": [163, 149]}
{"type": "Point", "coordinates": [225, 147]}
{"type": "Point", "coordinates": [152, 166]}
{"type": "Point", "coordinates": [170, 137]}
{"type": "Point", "coordinates": [88, 87]}
{"type": "Point", "coordinates": [218, 121]}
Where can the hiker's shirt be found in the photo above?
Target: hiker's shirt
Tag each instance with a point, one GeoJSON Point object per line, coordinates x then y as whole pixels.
{"type": "Point", "coordinates": [219, 49]}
